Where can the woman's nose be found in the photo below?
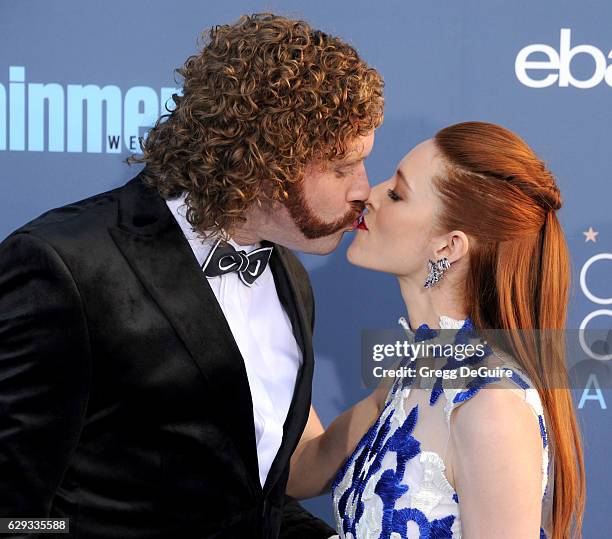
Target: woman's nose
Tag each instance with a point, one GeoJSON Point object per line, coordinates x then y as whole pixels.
{"type": "Point", "coordinates": [373, 201]}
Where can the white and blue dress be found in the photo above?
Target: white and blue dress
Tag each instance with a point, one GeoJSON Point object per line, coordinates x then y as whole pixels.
{"type": "Point", "coordinates": [394, 485]}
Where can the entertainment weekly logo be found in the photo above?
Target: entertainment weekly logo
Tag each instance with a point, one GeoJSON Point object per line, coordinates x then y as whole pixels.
{"type": "Point", "coordinates": [558, 64]}
{"type": "Point", "coordinates": [25, 125]}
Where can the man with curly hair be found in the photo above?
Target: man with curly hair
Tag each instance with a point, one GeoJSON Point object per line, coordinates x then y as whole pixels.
{"type": "Point", "coordinates": [156, 345]}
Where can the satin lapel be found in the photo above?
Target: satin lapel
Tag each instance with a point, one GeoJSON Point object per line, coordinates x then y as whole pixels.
{"type": "Point", "coordinates": [300, 403]}
{"type": "Point", "coordinates": [160, 256]}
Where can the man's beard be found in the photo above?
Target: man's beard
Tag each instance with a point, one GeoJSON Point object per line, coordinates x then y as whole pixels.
{"type": "Point", "coordinates": [309, 224]}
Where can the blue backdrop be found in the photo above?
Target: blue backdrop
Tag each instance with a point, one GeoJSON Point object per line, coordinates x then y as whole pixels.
{"type": "Point", "coordinates": [542, 69]}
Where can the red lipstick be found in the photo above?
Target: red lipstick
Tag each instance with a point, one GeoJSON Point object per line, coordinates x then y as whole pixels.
{"type": "Point", "coordinates": [361, 224]}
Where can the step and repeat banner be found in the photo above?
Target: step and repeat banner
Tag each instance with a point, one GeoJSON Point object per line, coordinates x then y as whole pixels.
{"type": "Point", "coordinates": [80, 83]}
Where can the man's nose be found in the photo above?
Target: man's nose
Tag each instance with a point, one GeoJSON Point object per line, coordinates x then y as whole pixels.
{"type": "Point", "coordinates": [360, 190]}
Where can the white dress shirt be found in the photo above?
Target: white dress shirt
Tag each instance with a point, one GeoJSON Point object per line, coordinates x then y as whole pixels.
{"type": "Point", "coordinates": [262, 330]}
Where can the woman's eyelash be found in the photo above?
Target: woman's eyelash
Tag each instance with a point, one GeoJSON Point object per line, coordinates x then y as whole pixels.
{"type": "Point", "coordinates": [393, 195]}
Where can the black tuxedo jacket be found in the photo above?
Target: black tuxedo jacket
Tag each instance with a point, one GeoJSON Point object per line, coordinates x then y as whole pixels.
{"type": "Point", "coordinates": [124, 400]}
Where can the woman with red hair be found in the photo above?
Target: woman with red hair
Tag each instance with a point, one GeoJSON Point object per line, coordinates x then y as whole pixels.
{"type": "Point", "coordinates": [468, 224]}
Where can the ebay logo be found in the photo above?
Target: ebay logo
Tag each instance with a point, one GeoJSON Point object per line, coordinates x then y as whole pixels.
{"type": "Point", "coordinates": [555, 66]}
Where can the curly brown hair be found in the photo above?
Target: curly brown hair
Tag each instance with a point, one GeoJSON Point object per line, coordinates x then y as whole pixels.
{"type": "Point", "coordinates": [263, 98]}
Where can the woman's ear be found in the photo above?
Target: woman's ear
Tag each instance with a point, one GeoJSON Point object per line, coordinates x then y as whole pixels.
{"type": "Point", "coordinates": [454, 246]}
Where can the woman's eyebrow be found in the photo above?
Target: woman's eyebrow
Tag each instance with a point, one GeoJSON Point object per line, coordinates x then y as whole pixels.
{"type": "Point", "coordinates": [401, 176]}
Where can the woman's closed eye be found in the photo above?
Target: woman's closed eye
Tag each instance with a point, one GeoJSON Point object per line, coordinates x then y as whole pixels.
{"type": "Point", "coordinates": [393, 195]}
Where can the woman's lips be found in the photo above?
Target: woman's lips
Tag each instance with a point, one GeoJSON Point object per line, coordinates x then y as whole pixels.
{"type": "Point", "coordinates": [361, 224]}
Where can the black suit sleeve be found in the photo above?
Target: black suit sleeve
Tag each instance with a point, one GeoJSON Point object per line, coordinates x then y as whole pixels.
{"type": "Point", "coordinates": [44, 374]}
{"type": "Point", "coordinates": [297, 523]}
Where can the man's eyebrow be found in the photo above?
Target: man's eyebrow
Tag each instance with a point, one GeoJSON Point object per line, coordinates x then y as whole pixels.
{"type": "Point", "coordinates": [348, 163]}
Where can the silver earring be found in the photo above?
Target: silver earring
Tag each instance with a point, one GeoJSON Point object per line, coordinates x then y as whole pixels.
{"type": "Point", "coordinates": [436, 271]}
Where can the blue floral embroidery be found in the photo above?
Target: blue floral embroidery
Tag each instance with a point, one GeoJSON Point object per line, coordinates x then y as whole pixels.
{"type": "Point", "coordinates": [366, 440]}
{"type": "Point", "coordinates": [518, 380]}
{"type": "Point", "coordinates": [463, 335]}
{"type": "Point", "coordinates": [424, 333]}
{"type": "Point", "coordinates": [543, 431]}
{"type": "Point", "coordinates": [388, 486]}
{"type": "Point", "coordinates": [436, 529]}
{"type": "Point", "coordinates": [473, 387]}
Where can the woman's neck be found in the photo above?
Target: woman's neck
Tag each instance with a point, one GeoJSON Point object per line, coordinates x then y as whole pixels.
{"type": "Point", "coordinates": [426, 305]}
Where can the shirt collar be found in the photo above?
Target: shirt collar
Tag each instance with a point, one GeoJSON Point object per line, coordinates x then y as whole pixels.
{"type": "Point", "coordinates": [200, 245]}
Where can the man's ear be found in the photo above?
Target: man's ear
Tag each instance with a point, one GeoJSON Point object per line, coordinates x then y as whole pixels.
{"type": "Point", "coordinates": [454, 246]}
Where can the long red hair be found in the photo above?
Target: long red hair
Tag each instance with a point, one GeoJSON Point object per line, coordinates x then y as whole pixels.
{"type": "Point", "coordinates": [504, 198]}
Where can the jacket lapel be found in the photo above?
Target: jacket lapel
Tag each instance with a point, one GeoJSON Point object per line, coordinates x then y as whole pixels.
{"type": "Point", "coordinates": [288, 291]}
{"type": "Point", "coordinates": [156, 249]}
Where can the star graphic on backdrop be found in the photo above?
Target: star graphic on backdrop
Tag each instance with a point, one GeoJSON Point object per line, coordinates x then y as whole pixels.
{"type": "Point", "coordinates": [590, 235]}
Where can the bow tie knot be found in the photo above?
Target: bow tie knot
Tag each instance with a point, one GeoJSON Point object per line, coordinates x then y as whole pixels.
{"type": "Point", "coordinates": [224, 259]}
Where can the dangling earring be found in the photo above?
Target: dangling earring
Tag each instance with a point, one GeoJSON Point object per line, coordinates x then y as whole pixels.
{"type": "Point", "coordinates": [436, 271]}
